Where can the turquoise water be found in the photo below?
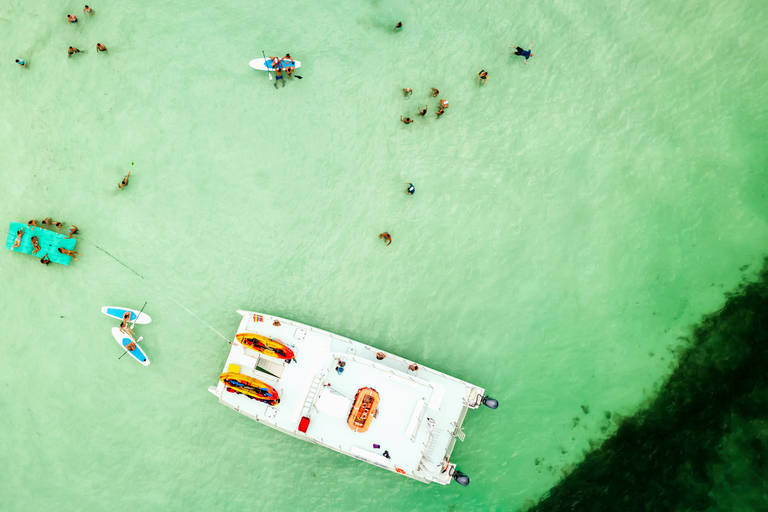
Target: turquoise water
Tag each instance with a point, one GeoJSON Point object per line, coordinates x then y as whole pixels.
{"type": "Point", "coordinates": [571, 218]}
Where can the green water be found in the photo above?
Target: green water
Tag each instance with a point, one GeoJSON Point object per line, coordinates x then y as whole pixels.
{"type": "Point", "coordinates": [572, 218]}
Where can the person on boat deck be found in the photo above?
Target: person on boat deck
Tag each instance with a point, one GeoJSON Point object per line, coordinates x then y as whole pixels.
{"type": "Point", "coordinates": [35, 244]}
{"type": "Point", "coordinates": [340, 367]}
{"type": "Point", "coordinates": [413, 367]}
{"type": "Point", "coordinates": [125, 329]}
{"type": "Point", "coordinates": [380, 356]}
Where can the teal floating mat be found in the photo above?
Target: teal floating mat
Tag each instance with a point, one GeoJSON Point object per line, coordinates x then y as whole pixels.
{"type": "Point", "coordinates": [49, 243]}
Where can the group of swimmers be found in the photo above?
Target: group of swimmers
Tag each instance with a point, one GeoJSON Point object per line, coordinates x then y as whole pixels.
{"type": "Point", "coordinates": [71, 19]}
{"type": "Point", "coordinates": [32, 224]}
{"type": "Point", "coordinates": [286, 63]}
{"type": "Point", "coordinates": [441, 105]}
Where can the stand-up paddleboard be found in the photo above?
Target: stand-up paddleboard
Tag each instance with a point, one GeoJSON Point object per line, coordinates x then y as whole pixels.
{"type": "Point", "coordinates": [117, 312]}
{"type": "Point", "coordinates": [266, 64]}
{"type": "Point", "coordinates": [124, 340]}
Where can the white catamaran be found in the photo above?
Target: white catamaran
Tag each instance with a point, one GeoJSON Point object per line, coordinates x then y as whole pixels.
{"type": "Point", "coordinates": [349, 397]}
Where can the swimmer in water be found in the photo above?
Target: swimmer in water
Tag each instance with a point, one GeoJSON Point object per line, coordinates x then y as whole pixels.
{"type": "Point", "coordinates": [125, 181]}
{"type": "Point", "coordinates": [45, 259]}
{"type": "Point", "coordinates": [46, 222]}
{"type": "Point", "coordinates": [385, 236]}
{"type": "Point", "coordinates": [411, 189]}
{"type": "Point", "coordinates": [72, 231]}
{"type": "Point", "coordinates": [35, 244]}
{"type": "Point", "coordinates": [58, 225]}
{"type": "Point", "coordinates": [440, 112]}
{"type": "Point", "coordinates": [407, 120]}
{"type": "Point", "coordinates": [32, 224]}
{"type": "Point", "coordinates": [71, 18]}
{"type": "Point", "coordinates": [100, 47]}
{"type": "Point", "coordinates": [19, 234]}
{"type": "Point", "coordinates": [88, 10]}
{"type": "Point", "coordinates": [435, 92]}
{"type": "Point", "coordinates": [72, 50]}
{"type": "Point", "coordinates": [407, 91]}
{"type": "Point", "coordinates": [523, 53]}
{"type": "Point", "coordinates": [423, 111]}
{"type": "Point", "coordinates": [69, 253]}
{"type": "Point", "coordinates": [443, 104]}
{"type": "Point", "coordinates": [483, 74]}
{"type": "Point", "coordinates": [399, 26]}
{"type": "Point", "coordinates": [21, 62]}
{"type": "Point", "coordinates": [279, 75]}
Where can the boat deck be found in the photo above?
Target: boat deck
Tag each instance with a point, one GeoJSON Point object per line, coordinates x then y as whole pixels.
{"type": "Point", "coordinates": [418, 413]}
{"type": "Point", "coordinates": [49, 242]}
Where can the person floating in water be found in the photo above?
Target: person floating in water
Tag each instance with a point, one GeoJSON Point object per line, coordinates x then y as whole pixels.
{"type": "Point", "coordinates": [45, 259]}
{"type": "Point", "coordinates": [407, 120]}
{"type": "Point", "coordinates": [411, 189]}
{"type": "Point", "coordinates": [100, 47]}
{"type": "Point", "coordinates": [407, 91]}
{"type": "Point", "coordinates": [386, 237]}
{"type": "Point", "coordinates": [443, 104]}
{"type": "Point", "coordinates": [35, 244]}
{"type": "Point", "coordinates": [279, 75]}
{"type": "Point", "coordinates": [32, 224]}
{"type": "Point", "coordinates": [483, 74]}
{"type": "Point", "coordinates": [87, 10]}
{"type": "Point", "coordinates": [125, 181]}
{"type": "Point", "coordinates": [72, 50]}
{"type": "Point", "coordinates": [399, 26]}
{"type": "Point", "coordinates": [423, 111]}
{"type": "Point", "coordinates": [71, 18]}
{"type": "Point", "coordinates": [435, 92]}
{"type": "Point", "coordinates": [523, 53]}
{"type": "Point", "coordinates": [72, 231]}
{"type": "Point", "coordinates": [17, 242]}
{"type": "Point", "coordinates": [21, 62]}
{"type": "Point", "coordinates": [69, 253]}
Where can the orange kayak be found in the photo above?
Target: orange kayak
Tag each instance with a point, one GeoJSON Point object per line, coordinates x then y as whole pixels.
{"type": "Point", "coordinates": [250, 387]}
{"type": "Point", "coordinates": [267, 346]}
{"type": "Point", "coordinates": [362, 413]}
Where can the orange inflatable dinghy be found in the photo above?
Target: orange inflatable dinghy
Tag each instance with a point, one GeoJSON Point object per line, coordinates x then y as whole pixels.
{"type": "Point", "coordinates": [267, 346]}
{"type": "Point", "coordinates": [362, 413]}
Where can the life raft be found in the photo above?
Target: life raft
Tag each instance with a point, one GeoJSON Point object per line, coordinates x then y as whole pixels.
{"type": "Point", "coordinates": [362, 413]}
{"type": "Point", "coordinates": [250, 387]}
{"type": "Point", "coordinates": [267, 346]}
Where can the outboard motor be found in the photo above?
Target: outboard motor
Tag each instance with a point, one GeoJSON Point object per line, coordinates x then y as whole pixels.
{"type": "Point", "coordinates": [461, 478]}
{"type": "Point", "coordinates": [489, 402]}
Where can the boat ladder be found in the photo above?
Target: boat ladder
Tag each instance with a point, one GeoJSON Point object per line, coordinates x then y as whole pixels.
{"type": "Point", "coordinates": [458, 433]}
{"type": "Point", "coordinates": [311, 394]}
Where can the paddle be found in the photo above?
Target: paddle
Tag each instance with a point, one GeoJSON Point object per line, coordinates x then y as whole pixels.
{"type": "Point", "coordinates": [137, 316]}
{"type": "Point", "coordinates": [265, 64]}
{"type": "Point", "coordinates": [126, 351]}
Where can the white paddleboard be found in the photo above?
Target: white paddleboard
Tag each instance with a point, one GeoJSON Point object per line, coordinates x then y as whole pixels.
{"type": "Point", "coordinates": [124, 340]}
{"type": "Point", "coordinates": [266, 64]}
{"type": "Point", "coordinates": [117, 312]}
